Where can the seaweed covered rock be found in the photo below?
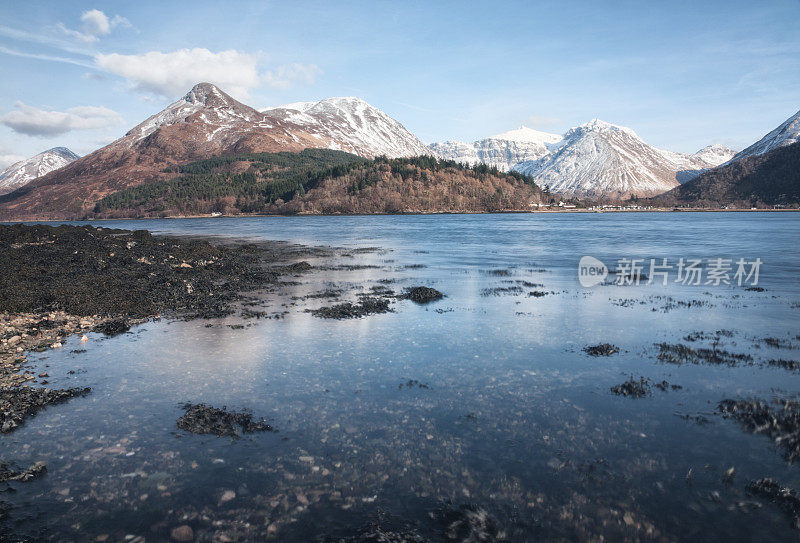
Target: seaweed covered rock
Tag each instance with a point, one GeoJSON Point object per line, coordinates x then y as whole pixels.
{"type": "Point", "coordinates": [347, 310]}
{"type": "Point", "coordinates": [205, 419]}
{"type": "Point", "coordinates": [785, 498]}
{"type": "Point", "coordinates": [421, 295]}
{"type": "Point", "coordinates": [10, 473]}
{"type": "Point", "coordinates": [604, 349]}
{"type": "Point", "coordinates": [18, 404]}
{"type": "Point", "coordinates": [779, 420]}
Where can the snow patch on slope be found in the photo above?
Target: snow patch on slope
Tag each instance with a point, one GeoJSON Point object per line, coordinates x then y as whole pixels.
{"type": "Point", "coordinates": [786, 134]}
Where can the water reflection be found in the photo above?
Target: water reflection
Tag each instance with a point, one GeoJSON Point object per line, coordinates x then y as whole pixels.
{"type": "Point", "coordinates": [513, 416]}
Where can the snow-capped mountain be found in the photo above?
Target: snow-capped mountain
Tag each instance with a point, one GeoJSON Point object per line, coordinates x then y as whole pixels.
{"type": "Point", "coordinates": [502, 151]}
{"type": "Point", "coordinates": [596, 159]}
{"type": "Point", "coordinates": [786, 134]}
{"type": "Point", "coordinates": [22, 172]}
{"type": "Point", "coordinates": [204, 123]}
{"type": "Point", "coordinates": [715, 154]}
{"type": "Point", "coordinates": [352, 125]}
{"type": "Point", "coordinates": [211, 121]}
{"type": "Point", "coordinates": [599, 159]}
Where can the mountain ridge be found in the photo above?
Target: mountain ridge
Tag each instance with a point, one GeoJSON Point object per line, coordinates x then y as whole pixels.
{"type": "Point", "coordinates": [596, 159]}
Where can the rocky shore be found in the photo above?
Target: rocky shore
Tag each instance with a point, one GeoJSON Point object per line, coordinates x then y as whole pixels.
{"type": "Point", "coordinates": [67, 280]}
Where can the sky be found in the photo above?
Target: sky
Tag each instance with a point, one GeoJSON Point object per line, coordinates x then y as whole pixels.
{"type": "Point", "coordinates": [683, 75]}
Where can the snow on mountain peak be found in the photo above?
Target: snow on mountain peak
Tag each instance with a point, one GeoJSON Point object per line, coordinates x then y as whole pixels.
{"type": "Point", "coordinates": [207, 94]}
{"type": "Point", "coordinates": [25, 171]}
{"type": "Point", "coordinates": [598, 125]}
{"type": "Point", "coordinates": [350, 124]}
{"type": "Point", "coordinates": [715, 154]}
{"type": "Point", "coordinates": [219, 111]}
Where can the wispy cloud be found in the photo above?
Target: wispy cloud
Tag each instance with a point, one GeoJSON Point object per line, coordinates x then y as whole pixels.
{"type": "Point", "coordinates": [39, 56]}
{"type": "Point", "coordinates": [33, 121]}
{"type": "Point", "coordinates": [44, 37]}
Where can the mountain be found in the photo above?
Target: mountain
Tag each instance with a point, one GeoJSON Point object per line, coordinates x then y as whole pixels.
{"type": "Point", "coordinates": [502, 151]}
{"type": "Point", "coordinates": [206, 122]}
{"type": "Point", "coordinates": [22, 172]}
{"type": "Point", "coordinates": [352, 125]}
{"type": "Point", "coordinates": [595, 160]}
{"type": "Point", "coordinates": [758, 180]}
{"type": "Point", "coordinates": [786, 134]}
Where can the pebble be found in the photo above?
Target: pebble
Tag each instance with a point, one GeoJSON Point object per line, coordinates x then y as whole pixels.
{"type": "Point", "coordinates": [227, 496]}
{"type": "Point", "coordinates": [182, 533]}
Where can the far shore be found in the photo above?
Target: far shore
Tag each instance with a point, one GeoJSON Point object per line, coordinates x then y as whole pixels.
{"type": "Point", "coordinates": [506, 212]}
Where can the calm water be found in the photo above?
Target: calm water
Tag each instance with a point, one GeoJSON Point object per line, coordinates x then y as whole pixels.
{"type": "Point", "coordinates": [516, 419]}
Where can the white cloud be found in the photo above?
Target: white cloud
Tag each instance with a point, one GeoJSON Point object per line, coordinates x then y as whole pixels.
{"type": "Point", "coordinates": [7, 158]}
{"type": "Point", "coordinates": [32, 121]}
{"type": "Point", "coordinates": [95, 24]}
{"type": "Point", "coordinates": [172, 74]}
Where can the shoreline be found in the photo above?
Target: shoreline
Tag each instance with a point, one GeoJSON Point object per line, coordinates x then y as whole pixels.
{"type": "Point", "coordinates": [411, 213]}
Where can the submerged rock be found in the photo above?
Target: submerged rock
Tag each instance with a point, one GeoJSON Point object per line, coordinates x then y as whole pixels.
{"type": "Point", "coordinates": [469, 523]}
{"type": "Point", "coordinates": [205, 419]}
{"type": "Point", "coordinates": [785, 498]}
{"type": "Point", "coordinates": [633, 388]}
{"type": "Point", "coordinates": [780, 421]}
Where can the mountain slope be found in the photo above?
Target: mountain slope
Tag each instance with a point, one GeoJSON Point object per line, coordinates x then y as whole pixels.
{"type": "Point", "coordinates": [786, 134]}
{"type": "Point", "coordinates": [602, 160]}
{"type": "Point", "coordinates": [759, 180]}
{"type": "Point", "coordinates": [502, 151]}
{"type": "Point", "coordinates": [205, 122]}
{"type": "Point", "coordinates": [323, 181]}
{"type": "Point", "coordinates": [24, 171]}
{"type": "Point", "coordinates": [352, 125]}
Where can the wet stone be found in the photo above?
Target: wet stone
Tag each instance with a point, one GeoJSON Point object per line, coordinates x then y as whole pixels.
{"type": "Point", "coordinates": [9, 473]}
{"type": "Point", "coordinates": [604, 349]}
{"type": "Point", "coordinates": [633, 388]}
{"type": "Point", "coordinates": [204, 419]}
{"type": "Point", "coordinates": [113, 327]}
{"type": "Point", "coordinates": [421, 295]}
{"type": "Point", "coordinates": [18, 404]}
{"type": "Point", "coordinates": [347, 310]}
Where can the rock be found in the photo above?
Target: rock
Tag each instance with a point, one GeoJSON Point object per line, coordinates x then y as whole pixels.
{"type": "Point", "coordinates": [421, 295]}
{"type": "Point", "coordinates": [205, 419]}
{"type": "Point", "coordinates": [182, 533]}
{"type": "Point", "coordinates": [227, 496]}
{"type": "Point", "coordinates": [13, 340]}
{"type": "Point", "coordinates": [604, 349]}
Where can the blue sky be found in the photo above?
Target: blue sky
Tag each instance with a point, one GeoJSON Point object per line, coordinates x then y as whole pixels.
{"type": "Point", "coordinates": [682, 74]}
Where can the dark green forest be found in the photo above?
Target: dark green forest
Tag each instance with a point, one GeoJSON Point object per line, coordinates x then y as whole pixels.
{"type": "Point", "coordinates": [256, 182]}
